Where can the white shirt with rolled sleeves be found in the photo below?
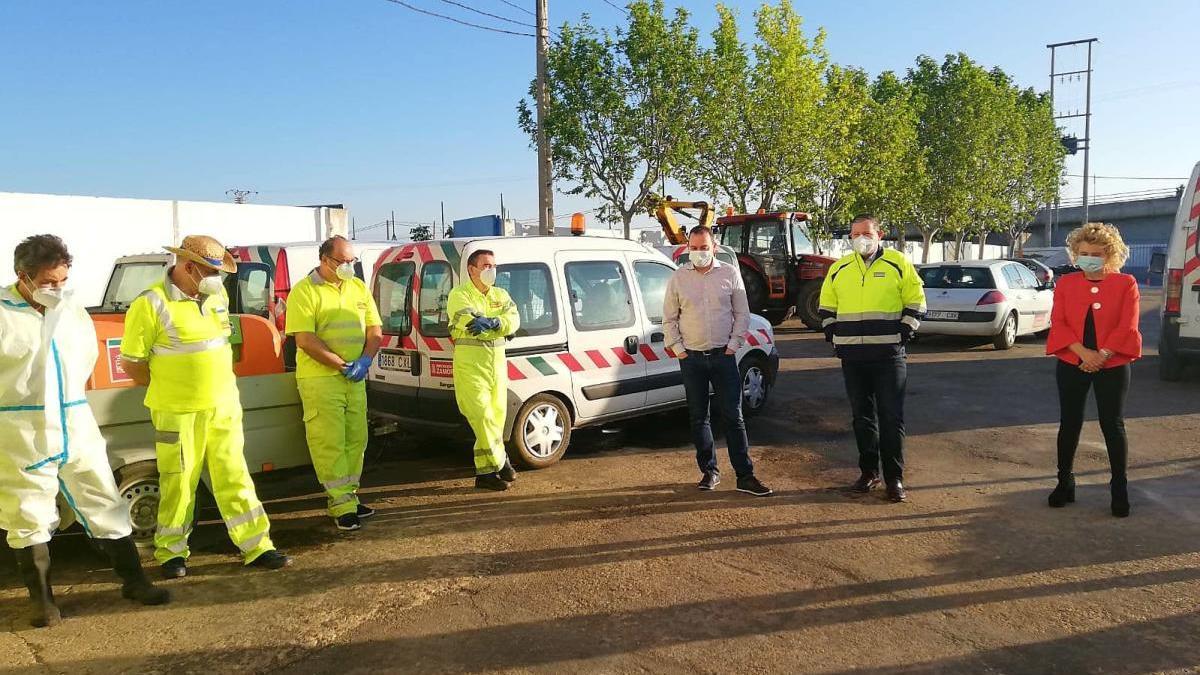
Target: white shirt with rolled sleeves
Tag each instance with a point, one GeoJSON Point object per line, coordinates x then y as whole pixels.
{"type": "Point", "coordinates": [705, 310]}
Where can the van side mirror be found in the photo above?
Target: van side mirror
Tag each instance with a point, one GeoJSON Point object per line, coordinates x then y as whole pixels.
{"type": "Point", "coordinates": [1158, 264]}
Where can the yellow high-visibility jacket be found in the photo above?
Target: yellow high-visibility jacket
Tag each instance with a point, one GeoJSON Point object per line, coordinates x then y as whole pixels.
{"type": "Point", "coordinates": [870, 310]}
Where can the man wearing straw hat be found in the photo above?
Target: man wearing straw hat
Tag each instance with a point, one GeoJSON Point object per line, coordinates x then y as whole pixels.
{"type": "Point", "coordinates": [176, 344]}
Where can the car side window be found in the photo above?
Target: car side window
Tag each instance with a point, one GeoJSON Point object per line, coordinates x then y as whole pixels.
{"type": "Point", "coordinates": [436, 282]}
{"type": "Point", "coordinates": [600, 295]}
{"type": "Point", "coordinates": [1028, 277]}
{"type": "Point", "coordinates": [652, 279]}
{"type": "Point", "coordinates": [1013, 277]}
{"type": "Point", "coordinates": [393, 286]}
{"type": "Point", "coordinates": [529, 286]}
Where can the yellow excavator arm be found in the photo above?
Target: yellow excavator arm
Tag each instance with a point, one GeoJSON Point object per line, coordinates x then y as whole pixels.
{"type": "Point", "coordinates": [664, 211]}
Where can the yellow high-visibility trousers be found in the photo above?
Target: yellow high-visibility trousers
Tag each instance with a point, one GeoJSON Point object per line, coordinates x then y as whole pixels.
{"type": "Point", "coordinates": [481, 390]}
{"type": "Point", "coordinates": [335, 424]}
{"type": "Point", "coordinates": [187, 442]}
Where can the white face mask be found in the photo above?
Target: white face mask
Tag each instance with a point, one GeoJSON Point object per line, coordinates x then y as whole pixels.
{"type": "Point", "coordinates": [700, 258]}
{"type": "Point", "coordinates": [345, 271]}
{"type": "Point", "coordinates": [209, 285]}
{"type": "Point", "coordinates": [487, 276]}
{"type": "Point", "coordinates": [48, 296]}
{"type": "Point", "coordinates": [864, 245]}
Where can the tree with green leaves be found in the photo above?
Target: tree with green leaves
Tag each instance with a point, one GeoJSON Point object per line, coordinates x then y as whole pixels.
{"type": "Point", "coordinates": [1038, 176]}
{"type": "Point", "coordinates": [620, 107]}
{"type": "Point", "coordinates": [420, 233]}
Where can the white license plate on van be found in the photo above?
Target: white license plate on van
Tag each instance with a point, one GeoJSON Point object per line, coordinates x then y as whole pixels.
{"type": "Point", "coordinates": [400, 362]}
{"type": "Point", "coordinates": [942, 316]}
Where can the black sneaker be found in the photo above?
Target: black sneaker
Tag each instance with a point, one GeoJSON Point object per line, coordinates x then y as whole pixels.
{"type": "Point", "coordinates": [751, 485]}
{"type": "Point", "coordinates": [272, 560]}
{"type": "Point", "coordinates": [365, 511]}
{"type": "Point", "coordinates": [866, 482]}
{"type": "Point", "coordinates": [175, 568]}
{"type": "Point", "coordinates": [508, 474]}
{"type": "Point", "coordinates": [490, 481]}
{"type": "Point", "coordinates": [710, 481]}
{"type": "Point", "coordinates": [348, 522]}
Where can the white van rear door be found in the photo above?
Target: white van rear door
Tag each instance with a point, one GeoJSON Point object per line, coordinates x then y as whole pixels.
{"type": "Point", "coordinates": [608, 371]}
{"type": "Point", "coordinates": [1189, 213]}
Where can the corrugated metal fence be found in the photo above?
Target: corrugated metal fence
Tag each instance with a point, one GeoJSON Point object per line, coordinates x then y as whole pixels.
{"type": "Point", "coordinates": [1139, 262]}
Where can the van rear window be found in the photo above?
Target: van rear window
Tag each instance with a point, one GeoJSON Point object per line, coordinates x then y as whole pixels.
{"type": "Point", "coordinates": [393, 295]}
{"type": "Point", "coordinates": [955, 276]}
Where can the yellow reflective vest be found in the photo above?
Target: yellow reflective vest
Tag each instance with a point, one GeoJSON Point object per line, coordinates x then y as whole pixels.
{"type": "Point", "coordinates": [186, 342]}
{"type": "Point", "coordinates": [869, 310]}
{"type": "Point", "coordinates": [339, 316]}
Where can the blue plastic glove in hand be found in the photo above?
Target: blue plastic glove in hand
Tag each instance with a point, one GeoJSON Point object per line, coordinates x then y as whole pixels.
{"type": "Point", "coordinates": [491, 324]}
{"type": "Point", "coordinates": [478, 325]}
{"type": "Point", "coordinates": [356, 370]}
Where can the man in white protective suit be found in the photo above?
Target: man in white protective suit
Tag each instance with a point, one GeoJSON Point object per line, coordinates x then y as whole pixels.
{"type": "Point", "coordinates": [49, 440]}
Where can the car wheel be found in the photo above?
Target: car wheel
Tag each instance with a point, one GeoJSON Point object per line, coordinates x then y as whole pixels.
{"type": "Point", "coordinates": [756, 385]}
{"type": "Point", "coordinates": [541, 432]}
{"type": "Point", "coordinates": [1170, 366]}
{"type": "Point", "coordinates": [1007, 337]}
{"type": "Point", "coordinates": [138, 486]}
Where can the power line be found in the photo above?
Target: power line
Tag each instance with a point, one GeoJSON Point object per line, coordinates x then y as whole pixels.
{"type": "Point", "coordinates": [488, 14]}
{"type": "Point", "coordinates": [1077, 175]}
{"type": "Point", "coordinates": [458, 21]}
{"type": "Point", "coordinates": [615, 6]}
{"type": "Point", "coordinates": [515, 6]}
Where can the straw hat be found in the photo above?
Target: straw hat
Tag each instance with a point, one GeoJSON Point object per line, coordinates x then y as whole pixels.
{"type": "Point", "coordinates": [206, 251]}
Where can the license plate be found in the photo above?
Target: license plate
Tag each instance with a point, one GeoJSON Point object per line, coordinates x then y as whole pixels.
{"type": "Point", "coordinates": [400, 362]}
{"type": "Point", "coordinates": [944, 316]}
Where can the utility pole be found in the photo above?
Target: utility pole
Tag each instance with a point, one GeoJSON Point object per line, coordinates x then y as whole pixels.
{"type": "Point", "coordinates": [443, 220]}
{"type": "Point", "coordinates": [239, 195]}
{"type": "Point", "coordinates": [545, 168]}
{"type": "Point", "coordinates": [1075, 144]}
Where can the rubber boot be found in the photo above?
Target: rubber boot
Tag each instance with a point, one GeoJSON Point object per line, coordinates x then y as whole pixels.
{"type": "Point", "coordinates": [128, 565]}
{"type": "Point", "coordinates": [1120, 497]}
{"type": "Point", "coordinates": [507, 473]}
{"type": "Point", "coordinates": [1064, 493]}
{"type": "Point", "coordinates": [34, 562]}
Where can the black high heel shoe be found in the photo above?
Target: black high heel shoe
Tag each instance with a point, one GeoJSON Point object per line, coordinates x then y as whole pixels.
{"type": "Point", "coordinates": [1064, 492]}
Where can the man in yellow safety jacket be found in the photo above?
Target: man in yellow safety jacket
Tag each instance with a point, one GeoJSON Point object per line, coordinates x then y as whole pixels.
{"type": "Point", "coordinates": [872, 302]}
{"type": "Point", "coordinates": [481, 317]}
{"type": "Point", "coordinates": [338, 331]}
{"type": "Point", "coordinates": [176, 344]}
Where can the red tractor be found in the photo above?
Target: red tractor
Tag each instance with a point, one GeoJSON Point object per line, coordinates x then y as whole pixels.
{"type": "Point", "coordinates": [776, 254]}
{"type": "Point", "coordinates": [780, 264]}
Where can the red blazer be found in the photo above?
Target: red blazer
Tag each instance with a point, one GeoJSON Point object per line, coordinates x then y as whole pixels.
{"type": "Point", "coordinates": [1115, 309]}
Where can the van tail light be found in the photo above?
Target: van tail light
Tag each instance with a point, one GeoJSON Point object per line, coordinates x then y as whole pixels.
{"type": "Point", "coordinates": [991, 298]}
{"type": "Point", "coordinates": [1174, 291]}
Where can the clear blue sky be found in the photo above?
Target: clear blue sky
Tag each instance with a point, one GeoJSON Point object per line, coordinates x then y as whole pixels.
{"type": "Point", "coordinates": [367, 103]}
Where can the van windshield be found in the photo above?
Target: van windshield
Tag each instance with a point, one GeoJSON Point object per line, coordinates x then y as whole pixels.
{"type": "Point", "coordinates": [393, 294]}
{"type": "Point", "coordinates": [129, 280]}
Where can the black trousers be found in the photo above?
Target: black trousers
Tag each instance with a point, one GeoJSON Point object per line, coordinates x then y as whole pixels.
{"type": "Point", "coordinates": [876, 392]}
{"type": "Point", "coordinates": [1111, 386]}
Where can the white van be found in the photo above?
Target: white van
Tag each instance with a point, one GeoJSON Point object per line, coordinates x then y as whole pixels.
{"type": "Point", "coordinates": [590, 348]}
{"type": "Point", "coordinates": [1179, 341]}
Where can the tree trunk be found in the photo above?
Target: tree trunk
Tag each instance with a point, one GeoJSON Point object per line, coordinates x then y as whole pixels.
{"type": "Point", "coordinates": [927, 236]}
{"type": "Point", "coordinates": [982, 244]}
{"type": "Point", "coordinates": [627, 217]}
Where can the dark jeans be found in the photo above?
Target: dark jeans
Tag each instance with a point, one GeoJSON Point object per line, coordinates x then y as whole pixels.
{"type": "Point", "coordinates": [1111, 386]}
{"type": "Point", "coordinates": [876, 392]}
{"type": "Point", "coordinates": [701, 369]}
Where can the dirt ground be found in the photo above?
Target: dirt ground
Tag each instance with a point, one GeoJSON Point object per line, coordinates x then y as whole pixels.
{"type": "Point", "coordinates": [613, 562]}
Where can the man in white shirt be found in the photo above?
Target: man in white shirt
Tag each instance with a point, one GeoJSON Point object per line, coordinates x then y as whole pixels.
{"type": "Point", "coordinates": [705, 315]}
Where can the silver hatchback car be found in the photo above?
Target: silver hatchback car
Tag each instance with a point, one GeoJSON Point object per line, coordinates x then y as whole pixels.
{"type": "Point", "coordinates": [1000, 299]}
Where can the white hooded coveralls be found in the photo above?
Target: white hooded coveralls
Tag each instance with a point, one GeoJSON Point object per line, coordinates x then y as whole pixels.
{"type": "Point", "coordinates": [49, 440]}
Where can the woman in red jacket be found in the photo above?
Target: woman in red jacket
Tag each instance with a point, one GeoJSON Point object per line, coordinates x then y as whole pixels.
{"type": "Point", "coordinates": [1094, 334]}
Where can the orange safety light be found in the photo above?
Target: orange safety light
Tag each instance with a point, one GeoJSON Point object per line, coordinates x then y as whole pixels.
{"type": "Point", "coordinates": [761, 211]}
{"type": "Point", "coordinates": [578, 224]}
{"type": "Point", "coordinates": [268, 467]}
{"type": "Point", "coordinates": [729, 210]}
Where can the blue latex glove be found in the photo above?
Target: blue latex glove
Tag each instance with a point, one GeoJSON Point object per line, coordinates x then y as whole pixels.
{"type": "Point", "coordinates": [356, 370]}
{"type": "Point", "coordinates": [478, 325]}
{"type": "Point", "coordinates": [491, 324]}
